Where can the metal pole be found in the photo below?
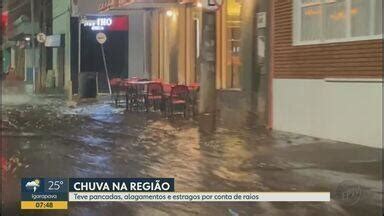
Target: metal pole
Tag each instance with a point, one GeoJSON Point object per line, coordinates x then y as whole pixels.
{"type": "Point", "coordinates": [106, 69]}
{"type": "Point", "coordinates": [79, 55]}
{"type": "Point", "coordinates": [33, 44]}
{"type": "Point", "coordinates": [145, 42]}
{"type": "Point", "coordinates": [207, 102]}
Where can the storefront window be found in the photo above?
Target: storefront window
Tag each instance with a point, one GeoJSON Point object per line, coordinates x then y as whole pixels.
{"type": "Point", "coordinates": [311, 20]}
{"type": "Point", "coordinates": [379, 17]}
{"type": "Point", "coordinates": [233, 32]}
{"type": "Point", "coordinates": [360, 14]}
{"type": "Point", "coordinates": [335, 20]}
{"type": "Point", "coordinates": [324, 21]}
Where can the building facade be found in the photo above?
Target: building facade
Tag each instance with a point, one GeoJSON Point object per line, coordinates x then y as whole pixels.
{"type": "Point", "coordinates": [165, 42]}
{"type": "Point", "coordinates": [312, 67]}
{"type": "Point", "coordinates": [16, 44]}
{"type": "Point", "coordinates": [163, 38]}
{"type": "Point", "coordinates": [327, 69]}
{"type": "Point", "coordinates": [62, 58]}
{"type": "Point", "coordinates": [25, 58]}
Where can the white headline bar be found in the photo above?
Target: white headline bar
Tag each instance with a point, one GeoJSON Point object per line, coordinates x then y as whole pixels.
{"type": "Point", "coordinates": [200, 197]}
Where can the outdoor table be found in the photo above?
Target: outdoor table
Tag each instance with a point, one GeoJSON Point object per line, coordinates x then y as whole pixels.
{"type": "Point", "coordinates": [137, 82]}
{"type": "Point", "coordinates": [140, 88]}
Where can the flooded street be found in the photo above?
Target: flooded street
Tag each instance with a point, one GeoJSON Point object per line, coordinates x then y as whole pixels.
{"type": "Point", "coordinates": [52, 138]}
{"type": "Point", "coordinates": [191, 107]}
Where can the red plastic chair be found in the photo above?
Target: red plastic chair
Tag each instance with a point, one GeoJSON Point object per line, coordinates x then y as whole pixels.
{"type": "Point", "coordinates": [167, 88]}
{"type": "Point", "coordinates": [194, 86]}
{"type": "Point", "coordinates": [179, 98]}
{"type": "Point", "coordinates": [154, 95]}
{"type": "Point", "coordinates": [115, 82]}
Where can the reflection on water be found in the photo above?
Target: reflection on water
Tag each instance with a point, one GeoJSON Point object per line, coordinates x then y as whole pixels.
{"type": "Point", "coordinates": [207, 123]}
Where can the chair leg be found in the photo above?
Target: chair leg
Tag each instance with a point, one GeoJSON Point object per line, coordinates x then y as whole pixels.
{"type": "Point", "coordinates": [155, 105]}
{"type": "Point", "coordinates": [147, 103]}
{"type": "Point", "coordinates": [193, 110]}
{"type": "Point", "coordinates": [171, 106]}
{"type": "Point", "coordinates": [158, 105]}
{"type": "Point", "coordinates": [131, 103]}
{"type": "Point", "coordinates": [134, 103]}
{"type": "Point", "coordinates": [116, 99]}
{"type": "Point", "coordinates": [185, 111]}
{"type": "Point", "coordinates": [126, 102]}
{"type": "Point", "coordinates": [163, 108]}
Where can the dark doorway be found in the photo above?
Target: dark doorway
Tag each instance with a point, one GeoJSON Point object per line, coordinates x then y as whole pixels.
{"type": "Point", "coordinates": [116, 54]}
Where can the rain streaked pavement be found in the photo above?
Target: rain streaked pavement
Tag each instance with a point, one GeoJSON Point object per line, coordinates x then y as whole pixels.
{"type": "Point", "coordinates": [48, 137]}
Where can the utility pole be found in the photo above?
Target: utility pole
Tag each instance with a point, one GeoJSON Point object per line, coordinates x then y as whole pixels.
{"type": "Point", "coordinates": [43, 55]}
{"type": "Point", "coordinates": [263, 60]}
{"type": "Point", "coordinates": [33, 44]}
{"type": "Point", "coordinates": [255, 59]}
{"type": "Point", "coordinates": [207, 102]}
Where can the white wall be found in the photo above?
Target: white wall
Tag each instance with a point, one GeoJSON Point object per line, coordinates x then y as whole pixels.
{"type": "Point", "coordinates": [13, 57]}
{"type": "Point", "coordinates": [29, 58]}
{"type": "Point", "coordinates": [345, 110]}
{"type": "Point", "coordinates": [88, 7]}
{"type": "Point", "coordinates": [61, 25]}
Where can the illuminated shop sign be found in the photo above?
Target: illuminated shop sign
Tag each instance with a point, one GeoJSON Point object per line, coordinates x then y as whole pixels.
{"type": "Point", "coordinates": [98, 24]}
{"type": "Point", "coordinates": [115, 23]}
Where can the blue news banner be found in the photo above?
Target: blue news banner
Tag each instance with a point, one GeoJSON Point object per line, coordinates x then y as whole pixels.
{"type": "Point", "coordinates": [54, 193]}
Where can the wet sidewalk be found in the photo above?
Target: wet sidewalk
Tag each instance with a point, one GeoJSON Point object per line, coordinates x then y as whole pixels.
{"type": "Point", "coordinates": [46, 137]}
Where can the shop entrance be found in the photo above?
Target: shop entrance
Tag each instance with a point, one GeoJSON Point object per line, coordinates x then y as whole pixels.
{"type": "Point", "coordinates": [115, 48]}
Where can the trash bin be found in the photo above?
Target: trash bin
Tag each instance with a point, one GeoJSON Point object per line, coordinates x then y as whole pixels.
{"type": "Point", "coordinates": [88, 85]}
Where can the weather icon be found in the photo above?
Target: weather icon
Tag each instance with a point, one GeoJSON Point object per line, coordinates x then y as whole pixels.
{"type": "Point", "coordinates": [33, 185]}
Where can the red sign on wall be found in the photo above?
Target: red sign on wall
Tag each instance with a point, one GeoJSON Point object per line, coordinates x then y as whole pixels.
{"type": "Point", "coordinates": [4, 21]}
{"type": "Point", "coordinates": [119, 23]}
